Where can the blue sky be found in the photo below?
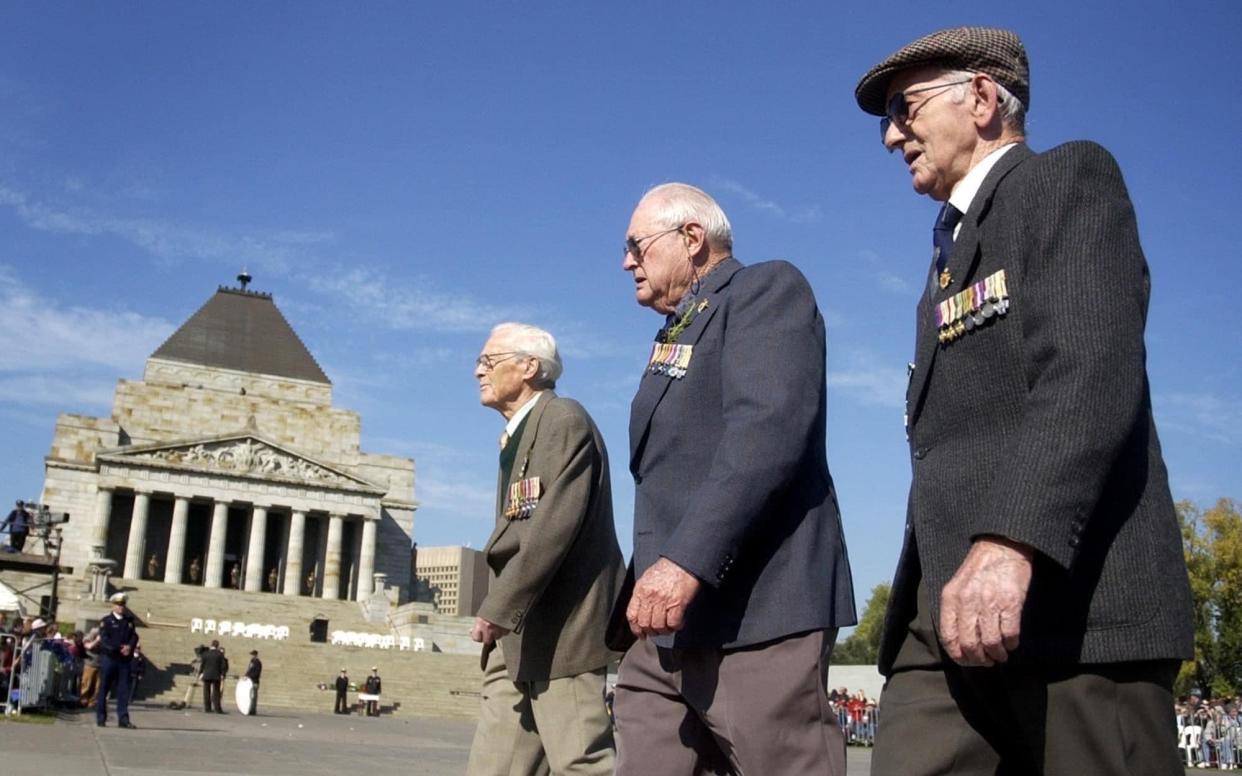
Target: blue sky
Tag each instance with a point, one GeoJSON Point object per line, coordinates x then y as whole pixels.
{"type": "Point", "coordinates": [402, 176]}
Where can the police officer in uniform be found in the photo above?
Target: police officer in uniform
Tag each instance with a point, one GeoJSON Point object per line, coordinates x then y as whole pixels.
{"type": "Point", "coordinates": [118, 638]}
{"type": "Point", "coordinates": [373, 686]}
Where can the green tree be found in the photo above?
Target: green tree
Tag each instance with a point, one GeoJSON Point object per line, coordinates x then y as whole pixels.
{"type": "Point", "coordinates": [862, 647]}
{"type": "Point", "coordinates": [1212, 542]}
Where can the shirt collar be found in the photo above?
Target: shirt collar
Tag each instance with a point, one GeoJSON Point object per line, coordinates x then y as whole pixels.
{"type": "Point", "coordinates": [964, 192]}
{"type": "Point", "coordinates": [521, 414]}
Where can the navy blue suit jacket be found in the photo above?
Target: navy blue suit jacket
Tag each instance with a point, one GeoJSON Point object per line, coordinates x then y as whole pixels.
{"type": "Point", "coordinates": [730, 468]}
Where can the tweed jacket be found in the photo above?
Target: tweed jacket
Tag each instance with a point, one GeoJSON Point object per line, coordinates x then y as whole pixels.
{"type": "Point", "coordinates": [1036, 425]}
{"type": "Point", "coordinates": [555, 573]}
{"type": "Point", "coordinates": [730, 467]}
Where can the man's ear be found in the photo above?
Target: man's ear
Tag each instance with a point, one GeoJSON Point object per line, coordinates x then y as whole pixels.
{"type": "Point", "coordinates": [694, 236]}
{"type": "Point", "coordinates": [531, 367]}
{"type": "Point", "coordinates": [987, 101]}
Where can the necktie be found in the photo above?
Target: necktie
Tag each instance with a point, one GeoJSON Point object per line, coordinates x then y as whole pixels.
{"type": "Point", "coordinates": [942, 238]}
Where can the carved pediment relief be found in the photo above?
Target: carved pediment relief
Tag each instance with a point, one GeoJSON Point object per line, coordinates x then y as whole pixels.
{"type": "Point", "coordinates": [244, 456]}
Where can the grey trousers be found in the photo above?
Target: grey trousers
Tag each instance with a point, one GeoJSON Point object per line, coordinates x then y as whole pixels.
{"type": "Point", "coordinates": [937, 717]}
{"type": "Point", "coordinates": [756, 711]}
{"type": "Point", "coordinates": [559, 726]}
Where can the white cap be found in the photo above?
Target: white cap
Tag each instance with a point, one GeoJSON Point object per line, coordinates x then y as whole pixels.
{"type": "Point", "coordinates": [118, 598]}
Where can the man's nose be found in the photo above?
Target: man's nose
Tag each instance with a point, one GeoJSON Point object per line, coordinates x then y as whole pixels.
{"type": "Point", "coordinates": [893, 135]}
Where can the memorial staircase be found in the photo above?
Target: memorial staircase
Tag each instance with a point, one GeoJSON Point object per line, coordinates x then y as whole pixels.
{"type": "Point", "coordinates": [427, 684]}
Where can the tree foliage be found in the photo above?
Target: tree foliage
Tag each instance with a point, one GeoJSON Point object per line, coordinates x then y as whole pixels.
{"type": "Point", "coordinates": [1212, 541]}
{"type": "Point", "coordinates": [862, 647]}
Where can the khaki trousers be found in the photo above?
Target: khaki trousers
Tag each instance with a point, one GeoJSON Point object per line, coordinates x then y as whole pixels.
{"type": "Point", "coordinates": [937, 717]}
{"type": "Point", "coordinates": [560, 726]}
{"type": "Point", "coordinates": [89, 685]}
{"type": "Point", "coordinates": [755, 711]}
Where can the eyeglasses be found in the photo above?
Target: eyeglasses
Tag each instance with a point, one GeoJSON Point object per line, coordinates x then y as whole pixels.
{"type": "Point", "coordinates": [897, 111]}
{"type": "Point", "coordinates": [489, 360]}
{"type": "Point", "coordinates": [634, 245]}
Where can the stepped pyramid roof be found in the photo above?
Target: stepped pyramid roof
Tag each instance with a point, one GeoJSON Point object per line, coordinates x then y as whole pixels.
{"type": "Point", "coordinates": [245, 331]}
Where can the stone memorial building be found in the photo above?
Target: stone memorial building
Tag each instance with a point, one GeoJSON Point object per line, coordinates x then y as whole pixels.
{"type": "Point", "coordinates": [227, 466]}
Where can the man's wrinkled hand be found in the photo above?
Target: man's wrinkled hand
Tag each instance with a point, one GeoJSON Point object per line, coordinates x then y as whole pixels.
{"type": "Point", "coordinates": [486, 632]}
{"type": "Point", "coordinates": [981, 606]}
{"type": "Point", "coordinates": [661, 597]}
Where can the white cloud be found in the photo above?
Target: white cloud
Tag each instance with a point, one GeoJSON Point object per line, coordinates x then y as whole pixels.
{"type": "Point", "coordinates": [458, 494]}
{"type": "Point", "coordinates": [66, 394]}
{"type": "Point", "coordinates": [276, 252]}
{"type": "Point", "coordinates": [1206, 416]}
{"type": "Point", "coordinates": [802, 215]}
{"type": "Point", "coordinates": [40, 335]}
{"type": "Point", "coordinates": [374, 297]}
{"type": "Point", "coordinates": [867, 380]}
{"type": "Point", "coordinates": [878, 268]}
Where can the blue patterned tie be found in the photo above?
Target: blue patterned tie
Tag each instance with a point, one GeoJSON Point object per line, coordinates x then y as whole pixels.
{"type": "Point", "coordinates": [942, 238]}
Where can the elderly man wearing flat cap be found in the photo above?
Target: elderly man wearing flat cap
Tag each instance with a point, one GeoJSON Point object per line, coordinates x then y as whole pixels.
{"type": "Point", "coordinates": [1041, 603]}
{"type": "Point", "coordinates": [118, 637]}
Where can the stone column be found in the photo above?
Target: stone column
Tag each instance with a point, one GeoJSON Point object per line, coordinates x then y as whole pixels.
{"type": "Point", "coordinates": [366, 559]}
{"type": "Point", "coordinates": [293, 553]}
{"type": "Point", "coordinates": [136, 549]}
{"type": "Point", "coordinates": [176, 541]}
{"type": "Point", "coordinates": [254, 550]}
{"type": "Point", "coordinates": [103, 516]}
{"type": "Point", "coordinates": [332, 558]}
{"type": "Point", "coordinates": [213, 575]}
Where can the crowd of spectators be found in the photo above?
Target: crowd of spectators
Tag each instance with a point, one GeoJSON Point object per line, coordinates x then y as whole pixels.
{"type": "Point", "coordinates": [1209, 733]}
{"type": "Point", "coordinates": [856, 715]}
{"type": "Point", "coordinates": [74, 660]}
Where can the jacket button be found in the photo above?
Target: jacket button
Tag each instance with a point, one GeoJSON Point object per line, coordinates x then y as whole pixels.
{"type": "Point", "coordinates": [638, 479]}
{"type": "Point", "coordinates": [1073, 542]}
{"type": "Point", "coordinates": [920, 454]}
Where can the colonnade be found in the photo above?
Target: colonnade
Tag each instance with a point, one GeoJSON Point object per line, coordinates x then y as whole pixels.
{"type": "Point", "coordinates": [329, 554]}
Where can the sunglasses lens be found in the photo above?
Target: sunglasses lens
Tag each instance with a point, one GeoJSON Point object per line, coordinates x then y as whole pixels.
{"type": "Point", "coordinates": [897, 107]}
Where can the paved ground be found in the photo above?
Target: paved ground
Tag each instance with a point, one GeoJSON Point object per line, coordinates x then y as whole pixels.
{"type": "Point", "coordinates": [277, 743]}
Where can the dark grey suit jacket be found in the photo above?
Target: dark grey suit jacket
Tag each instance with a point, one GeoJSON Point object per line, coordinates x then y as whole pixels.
{"type": "Point", "coordinates": [730, 469]}
{"type": "Point", "coordinates": [1037, 426]}
{"type": "Point", "coordinates": [556, 573]}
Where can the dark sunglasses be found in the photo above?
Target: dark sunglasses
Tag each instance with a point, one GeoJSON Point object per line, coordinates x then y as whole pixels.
{"type": "Point", "coordinates": [897, 111]}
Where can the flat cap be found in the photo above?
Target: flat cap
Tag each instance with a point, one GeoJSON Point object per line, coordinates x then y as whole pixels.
{"type": "Point", "coordinates": [118, 598]}
{"type": "Point", "coordinates": [997, 52]}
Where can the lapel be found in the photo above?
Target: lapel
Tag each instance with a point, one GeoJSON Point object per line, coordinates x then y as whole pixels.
{"type": "Point", "coordinates": [961, 268]}
{"type": "Point", "coordinates": [523, 452]}
{"type": "Point", "coordinates": [651, 388]}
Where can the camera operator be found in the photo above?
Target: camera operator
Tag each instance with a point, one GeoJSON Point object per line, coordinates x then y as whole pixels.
{"type": "Point", "coordinates": [18, 522]}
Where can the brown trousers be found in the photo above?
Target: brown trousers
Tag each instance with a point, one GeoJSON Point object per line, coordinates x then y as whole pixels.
{"type": "Point", "coordinates": [755, 711]}
{"type": "Point", "coordinates": [89, 685]}
{"type": "Point", "coordinates": [1105, 720]}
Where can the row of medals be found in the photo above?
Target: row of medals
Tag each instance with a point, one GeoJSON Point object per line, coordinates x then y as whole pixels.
{"type": "Point", "coordinates": [972, 307]}
{"type": "Point", "coordinates": [523, 498]}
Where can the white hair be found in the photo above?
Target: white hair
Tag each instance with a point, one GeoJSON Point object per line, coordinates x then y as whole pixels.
{"type": "Point", "coordinates": [533, 341]}
{"type": "Point", "coordinates": [681, 203]}
{"type": "Point", "coordinates": [1013, 113]}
